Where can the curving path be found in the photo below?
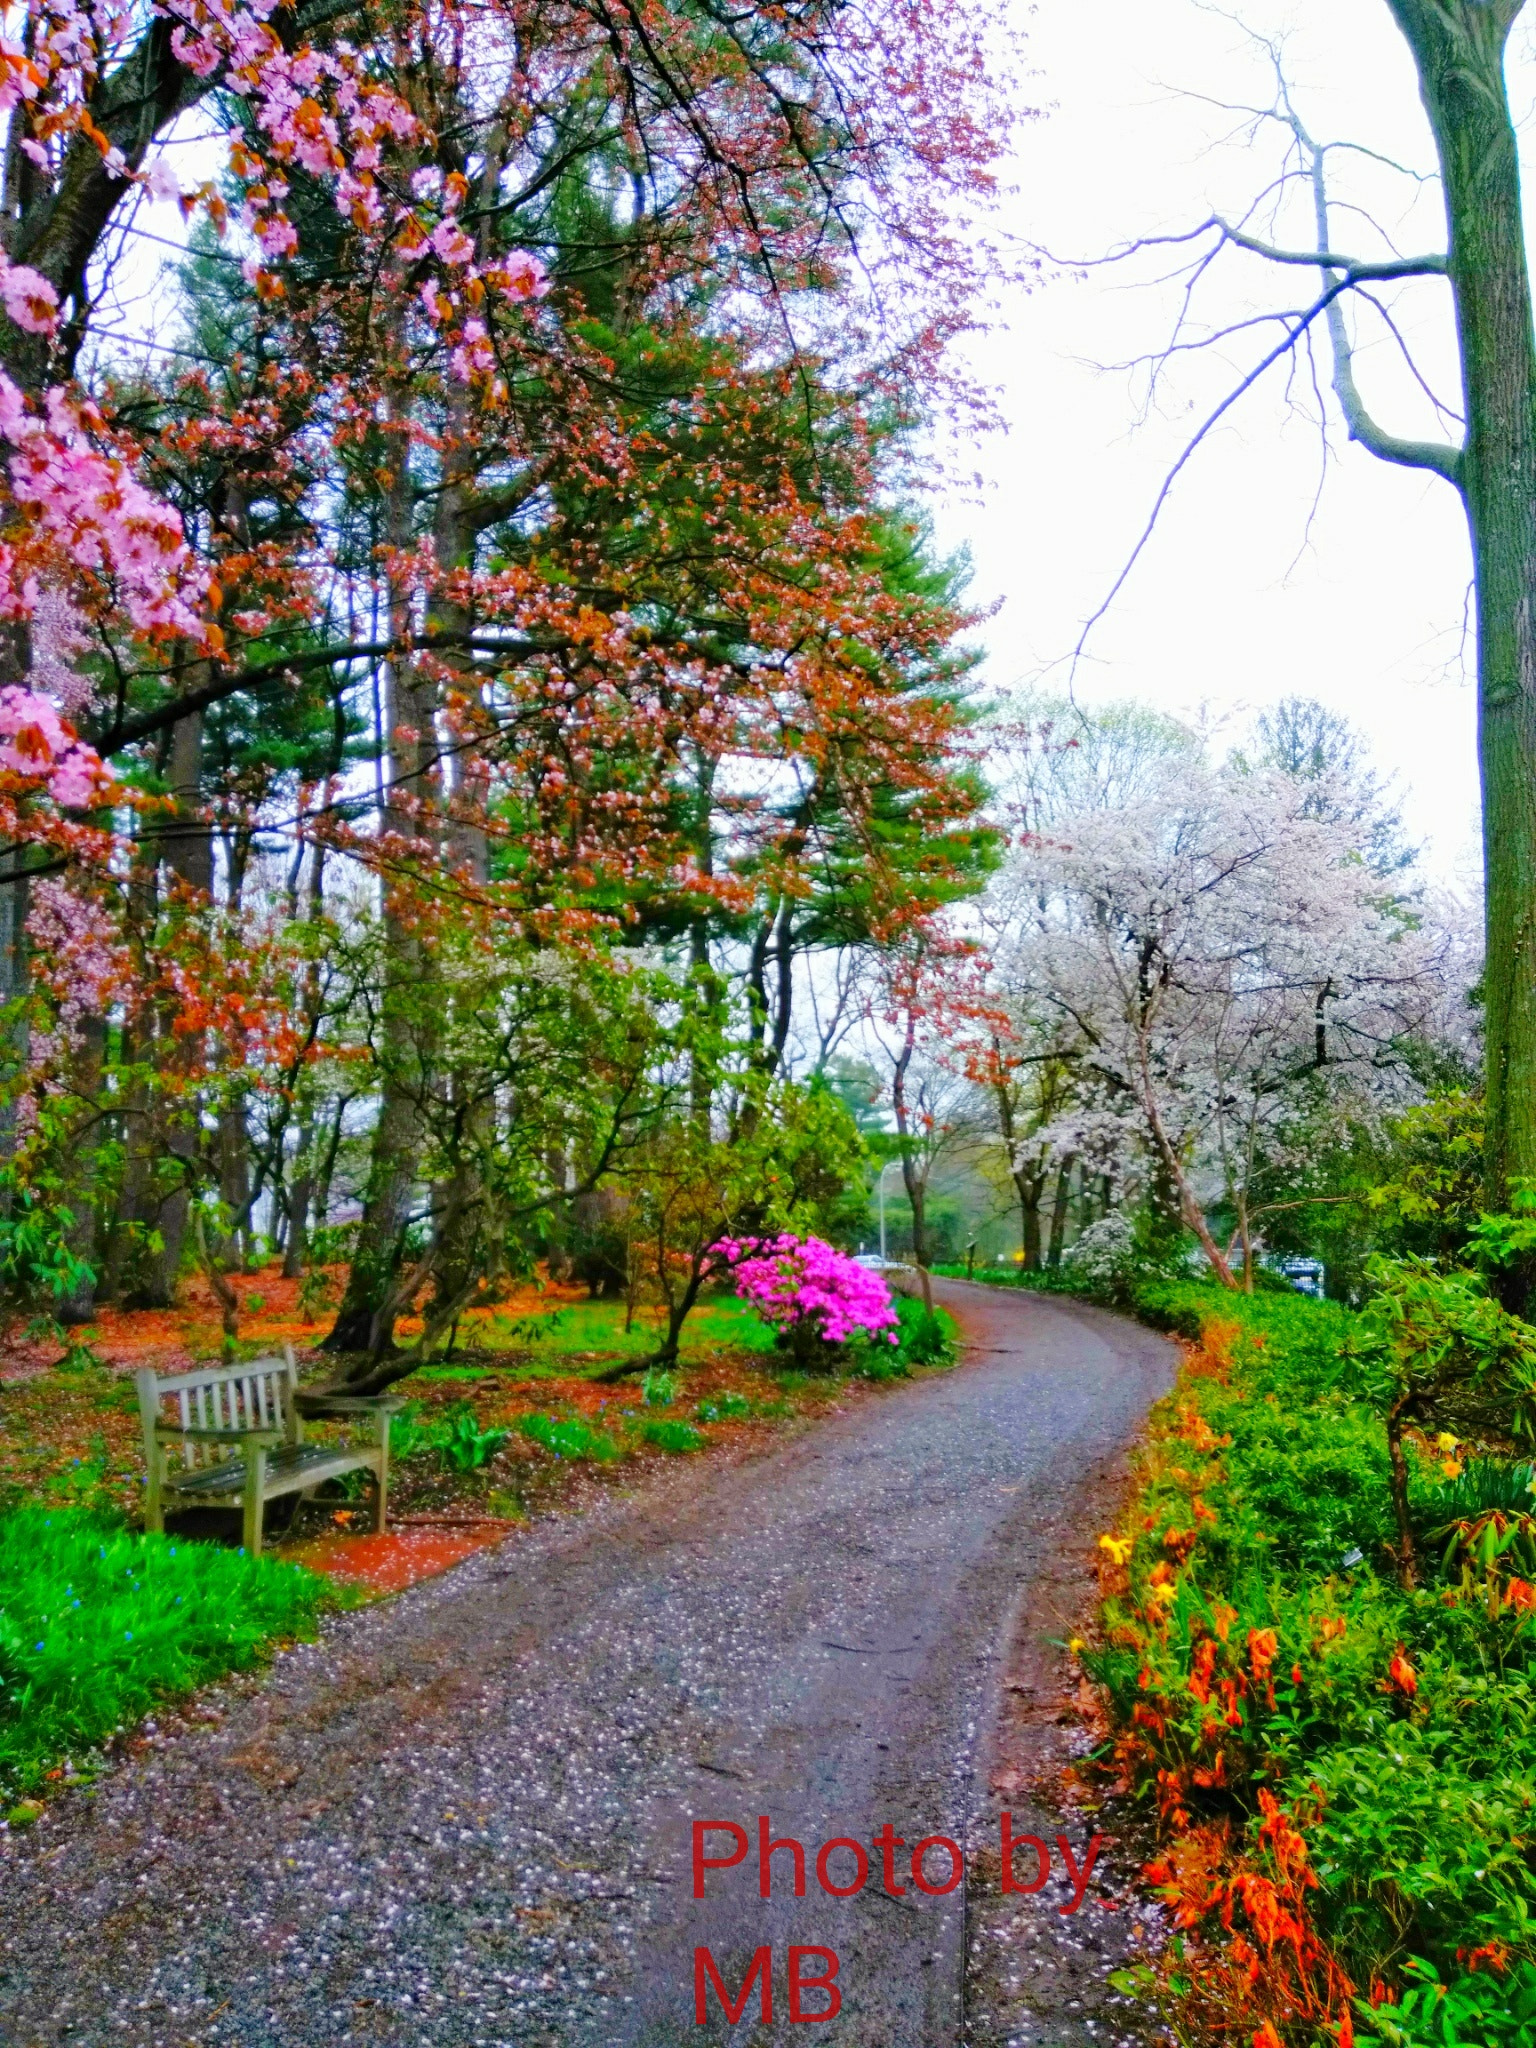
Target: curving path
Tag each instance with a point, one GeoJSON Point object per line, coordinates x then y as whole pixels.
{"type": "Point", "coordinates": [465, 1817]}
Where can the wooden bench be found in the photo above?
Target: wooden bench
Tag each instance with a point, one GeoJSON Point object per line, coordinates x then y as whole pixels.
{"type": "Point", "coordinates": [241, 1438]}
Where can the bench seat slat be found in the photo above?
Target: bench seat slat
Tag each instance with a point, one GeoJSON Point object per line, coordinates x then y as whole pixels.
{"type": "Point", "coordinates": [287, 1471]}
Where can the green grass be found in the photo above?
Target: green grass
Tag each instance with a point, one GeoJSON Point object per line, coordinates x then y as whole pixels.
{"type": "Point", "coordinates": [567, 1436]}
{"type": "Point", "coordinates": [558, 1336]}
{"type": "Point", "coordinates": [673, 1436]}
{"type": "Point", "coordinates": [98, 1625]}
{"type": "Point", "coordinates": [724, 1408]}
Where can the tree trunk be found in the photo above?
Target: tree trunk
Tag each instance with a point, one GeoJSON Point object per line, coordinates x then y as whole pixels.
{"type": "Point", "coordinates": [300, 1190]}
{"type": "Point", "coordinates": [409, 738]}
{"type": "Point", "coordinates": [83, 1167]}
{"type": "Point", "coordinates": [1059, 1208]}
{"type": "Point", "coordinates": [1029, 1212]}
{"type": "Point", "coordinates": [1407, 1561]}
{"type": "Point", "coordinates": [1458, 48]}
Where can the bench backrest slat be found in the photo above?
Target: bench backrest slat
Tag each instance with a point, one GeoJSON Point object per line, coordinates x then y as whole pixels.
{"type": "Point", "coordinates": [243, 1397]}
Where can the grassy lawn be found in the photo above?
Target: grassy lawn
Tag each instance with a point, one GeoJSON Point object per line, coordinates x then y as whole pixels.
{"type": "Point", "coordinates": [98, 1625]}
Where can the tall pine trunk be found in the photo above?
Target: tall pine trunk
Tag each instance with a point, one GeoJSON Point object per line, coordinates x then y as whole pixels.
{"type": "Point", "coordinates": [365, 1321]}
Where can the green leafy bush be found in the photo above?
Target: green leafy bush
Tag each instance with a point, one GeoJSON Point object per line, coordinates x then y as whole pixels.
{"type": "Point", "coordinates": [37, 1265]}
{"type": "Point", "coordinates": [923, 1338]}
{"type": "Point", "coordinates": [409, 1436]}
{"type": "Point", "coordinates": [1258, 1647]}
{"type": "Point", "coordinates": [464, 1446]}
{"type": "Point", "coordinates": [1481, 2010]}
{"type": "Point", "coordinates": [98, 1624]}
{"type": "Point", "coordinates": [658, 1389]}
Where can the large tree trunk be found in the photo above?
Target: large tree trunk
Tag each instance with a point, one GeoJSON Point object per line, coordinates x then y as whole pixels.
{"type": "Point", "coordinates": [1458, 47]}
{"type": "Point", "coordinates": [365, 1320]}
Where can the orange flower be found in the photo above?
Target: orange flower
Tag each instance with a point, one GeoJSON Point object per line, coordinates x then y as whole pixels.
{"type": "Point", "coordinates": [1493, 1955]}
{"type": "Point", "coordinates": [1402, 1674]}
{"type": "Point", "coordinates": [1262, 1645]}
{"type": "Point", "coordinates": [1266, 2037]}
{"type": "Point", "coordinates": [1201, 1666]}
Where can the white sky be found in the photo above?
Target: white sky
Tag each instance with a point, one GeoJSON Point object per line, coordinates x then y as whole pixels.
{"type": "Point", "coordinates": [1235, 604]}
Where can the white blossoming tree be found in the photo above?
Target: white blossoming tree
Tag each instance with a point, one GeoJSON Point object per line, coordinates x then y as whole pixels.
{"type": "Point", "coordinates": [1232, 969]}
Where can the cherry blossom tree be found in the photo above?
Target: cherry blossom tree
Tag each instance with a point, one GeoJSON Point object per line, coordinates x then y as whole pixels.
{"type": "Point", "coordinates": [1227, 962]}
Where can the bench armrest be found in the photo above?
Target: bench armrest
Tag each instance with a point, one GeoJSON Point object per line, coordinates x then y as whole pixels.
{"type": "Point", "coordinates": [266, 1438]}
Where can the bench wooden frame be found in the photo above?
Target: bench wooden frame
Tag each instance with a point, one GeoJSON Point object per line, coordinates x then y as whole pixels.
{"type": "Point", "coordinates": [242, 1438]}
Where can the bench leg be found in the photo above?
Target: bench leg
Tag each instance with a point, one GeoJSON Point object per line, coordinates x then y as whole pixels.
{"type": "Point", "coordinates": [154, 1505]}
{"type": "Point", "coordinates": [381, 1500]}
{"type": "Point", "coordinates": [255, 1486]}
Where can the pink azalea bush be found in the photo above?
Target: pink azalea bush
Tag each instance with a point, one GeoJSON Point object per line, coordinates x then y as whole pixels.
{"type": "Point", "coordinates": [810, 1292]}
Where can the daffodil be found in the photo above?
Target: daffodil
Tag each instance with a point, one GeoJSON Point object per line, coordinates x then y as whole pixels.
{"type": "Point", "coordinates": [1119, 1547]}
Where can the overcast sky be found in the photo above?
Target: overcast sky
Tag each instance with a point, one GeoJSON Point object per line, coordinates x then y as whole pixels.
{"type": "Point", "coordinates": [1247, 593]}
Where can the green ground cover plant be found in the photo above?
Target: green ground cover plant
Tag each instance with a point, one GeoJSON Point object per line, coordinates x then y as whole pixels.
{"type": "Point", "coordinates": [672, 1436]}
{"type": "Point", "coordinates": [569, 1437]}
{"type": "Point", "coordinates": [1343, 1753]}
{"type": "Point", "coordinates": [99, 1625]}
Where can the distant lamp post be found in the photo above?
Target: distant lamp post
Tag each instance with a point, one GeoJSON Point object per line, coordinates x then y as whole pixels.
{"type": "Point", "coordinates": [883, 1172]}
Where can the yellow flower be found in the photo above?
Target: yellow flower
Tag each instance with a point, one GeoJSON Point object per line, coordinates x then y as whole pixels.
{"type": "Point", "coordinates": [1119, 1547]}
{"type": "Point", "coordinates": [1165, 1594]}
{"type": "Point", "coordinates": [1075, 1646]}
{"type": "Point", "coordinates": [1447, 1443]}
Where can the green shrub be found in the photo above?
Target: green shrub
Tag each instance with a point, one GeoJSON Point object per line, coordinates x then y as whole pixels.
{"type": "Point", "coordinates": [1480, 2010]}
{"type": "Point", "coordinates": [409, 1437]}
{"type": "Point", "coordinates": [464, 1446]}
{"type": "Point", "coordinates": [98, 1624]}
{"type": "Point", "coordinates": [1396, 1724]}
{"type": "Point", "coordinates": [658, 1389]}
{"type": "Point", "coordinates": [924, 1338]}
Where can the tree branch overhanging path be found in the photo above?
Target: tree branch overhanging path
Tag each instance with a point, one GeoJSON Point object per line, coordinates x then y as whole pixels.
{"type": "Point", "coordinates": [1489, 457]}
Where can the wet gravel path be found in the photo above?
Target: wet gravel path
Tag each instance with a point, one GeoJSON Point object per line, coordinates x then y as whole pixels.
{"type": "Point", "coordinates": [465, 1817]}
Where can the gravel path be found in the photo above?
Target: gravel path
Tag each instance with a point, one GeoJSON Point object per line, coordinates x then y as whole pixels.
{"type": "Point", "coordinates": [465, 1817]}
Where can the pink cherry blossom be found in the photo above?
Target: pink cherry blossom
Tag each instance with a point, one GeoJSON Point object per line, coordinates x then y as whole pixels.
{"type": "Point", "coordinates": [523, 276]}
{"type": "Point", "coordinates": [451, 243]}
{"type": "Point", "coordinates": [30, 299]}
{"type": "Point", "coordinates": [35, 741]}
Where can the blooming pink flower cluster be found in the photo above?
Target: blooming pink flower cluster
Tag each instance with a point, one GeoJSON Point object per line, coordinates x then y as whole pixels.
{"type": "Point", "coordinates": [794, 1281]}
{"type": "Point", "coordinates": [29, 298]}
{"type": "Point", "coordinates": [99, 516]}
{"type": "Point", "coordinates": [34, 740]}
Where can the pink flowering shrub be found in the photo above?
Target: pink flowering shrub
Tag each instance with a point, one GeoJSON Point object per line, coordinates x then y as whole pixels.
{"type": "Point", "coordinates": [814, 1295]}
